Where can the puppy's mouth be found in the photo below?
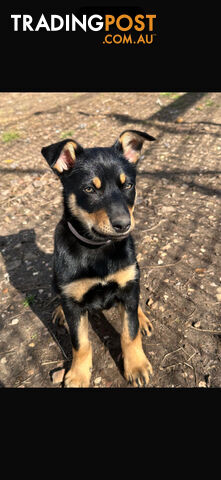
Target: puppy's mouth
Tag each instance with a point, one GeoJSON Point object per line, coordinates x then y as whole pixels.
{"type": "Point", "coordinates": [110, 236]}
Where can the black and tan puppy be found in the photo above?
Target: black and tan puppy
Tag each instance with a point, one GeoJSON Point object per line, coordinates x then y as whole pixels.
{"type": "Point", "coordinates": [94, 256]}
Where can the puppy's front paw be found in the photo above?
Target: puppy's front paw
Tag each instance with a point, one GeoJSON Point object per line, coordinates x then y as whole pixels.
{"type": "Point", "coordinates": [137, 370]}
{"type": "Point", "coordinates": [77, 379]}
{"type": "Point", "coordinates": [79, 374]}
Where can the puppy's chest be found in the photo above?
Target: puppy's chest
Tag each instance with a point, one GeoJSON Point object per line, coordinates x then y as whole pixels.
{"type": "Point", "coordinates": [77, 289]}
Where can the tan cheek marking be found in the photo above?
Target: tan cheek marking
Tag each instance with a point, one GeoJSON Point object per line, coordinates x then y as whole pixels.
{"type": "Point", "coordinates": [122, 178]}
{"type": "Point", "coordinates": [79, 212]}
{"type": "Point", "coordinates": [79, 288]}
{"type": "Point", "coordinates": [99, 218]}
{"type": "Point", "coordinates": [75, 209]}
{"type": "Point", "coordinates": [97, 182]}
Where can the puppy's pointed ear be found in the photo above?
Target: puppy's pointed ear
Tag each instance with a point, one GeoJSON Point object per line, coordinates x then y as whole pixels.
{"type": "Point", "coordinates": [130, 143]}
{"type": "Point", "coordinates": [61, 156]}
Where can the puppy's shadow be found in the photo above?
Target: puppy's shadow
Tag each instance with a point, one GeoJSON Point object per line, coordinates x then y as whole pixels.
{"type": "Point", "coordinates": [29, 270]}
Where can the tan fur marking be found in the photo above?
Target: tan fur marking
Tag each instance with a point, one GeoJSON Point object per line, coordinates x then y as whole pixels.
{"type": "Point", "coordinates": [136, 364]}
{"type": "Point", "coordinates": [122, 178]}
{"type": "Point", "coordinates": [123, 276]}
{"type": "Point", "coordinates": [80, 372]}
{"type": "Point", "coordinates": [97, 182]}
{"type": "Point", "coordinates": [71, 146]}
{"type": "Point", "coordinates": [99, 218]}
{"type": "Point", "coordinates": [79, 288]}
{"type": "Point", "coordinates": [59, 166]}
{"type": "Point", "coordinates": [131, 210]}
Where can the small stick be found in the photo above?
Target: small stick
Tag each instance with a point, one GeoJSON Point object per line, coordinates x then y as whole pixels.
{"type": "Point", "coordinates": [51, 301]}
{"type": "Point", "coordinates": [52, 361]}
{"type": "Point", "coordinates": [7, 351]}
{"type": "Point", "coordinates": [191, 356]}
{"type": "Point", "coordinates": [155, 226]}
{"type": "Point", "coordinates": [175, 364]}
{"type": "Point", "coordinates": [214, 332]}
{"type": "Point", "coordinates": [59, 344]}
{"type": "Point", "coordinates": [170, 353]}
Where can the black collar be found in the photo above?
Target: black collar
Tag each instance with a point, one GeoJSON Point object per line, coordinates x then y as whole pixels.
{"type": "Point", "coordinates": [84, 239]}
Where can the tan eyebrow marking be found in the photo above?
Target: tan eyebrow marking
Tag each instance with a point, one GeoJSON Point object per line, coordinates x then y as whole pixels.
{"type": "Point", "coordinates": [97, 182]}
{"type": "Point", "coordinates": [122, 178]}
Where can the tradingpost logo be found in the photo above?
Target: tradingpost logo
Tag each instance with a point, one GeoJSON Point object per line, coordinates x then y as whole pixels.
{"type": "Point", "coordinates": [137, 30]}
{"type": "Point", "coordinates": [126, 29]}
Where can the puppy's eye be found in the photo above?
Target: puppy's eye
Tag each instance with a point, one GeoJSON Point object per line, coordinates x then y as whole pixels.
{"type": "Point", "coordinates": [89, 190]}
{"type": "Point", "coordinates": [128, 186]}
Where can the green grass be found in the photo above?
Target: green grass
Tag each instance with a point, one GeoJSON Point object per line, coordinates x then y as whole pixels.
{"type": "Point", "coordinates": [9, 136]}
{"type": "Point", "coordinates": [172, 95]}
{"type": "Point", "coordinates": [209, 103]}
{"type": "Point", "coordinates": [66, 134]}
{"type": "Point", "coordinates": [29, 300]}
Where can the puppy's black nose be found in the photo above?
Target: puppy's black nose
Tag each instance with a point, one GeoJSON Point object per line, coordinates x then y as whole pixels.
{"type": "Point", "coordinates": [121, 224]}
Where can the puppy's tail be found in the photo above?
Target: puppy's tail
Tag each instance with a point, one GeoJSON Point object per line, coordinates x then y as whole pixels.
{"type": "Point", "coordinates": [58, 315]}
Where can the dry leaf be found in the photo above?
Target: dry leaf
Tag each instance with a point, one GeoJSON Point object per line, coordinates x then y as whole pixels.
{"type": "Point", "coordinates": [200, 270]}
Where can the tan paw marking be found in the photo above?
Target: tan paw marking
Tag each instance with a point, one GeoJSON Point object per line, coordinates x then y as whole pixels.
{"type": "Point", "coordinates": [77, 379]}
{"type": "Point", "coordinates": [137, 368]}
{"type": "Point", "coordinates": [79, 374]}
{"type": "Point", "coordinates": [146, 326]}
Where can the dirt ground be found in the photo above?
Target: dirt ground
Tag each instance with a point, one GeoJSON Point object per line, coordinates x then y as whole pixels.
{"type": "Point", "coordinates": [177, 235]}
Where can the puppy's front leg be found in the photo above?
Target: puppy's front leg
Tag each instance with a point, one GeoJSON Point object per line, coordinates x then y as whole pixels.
{"type": "Point", "coordinates": [80, 372]}
{"type": "Point", "coordinates": [136, 364]}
